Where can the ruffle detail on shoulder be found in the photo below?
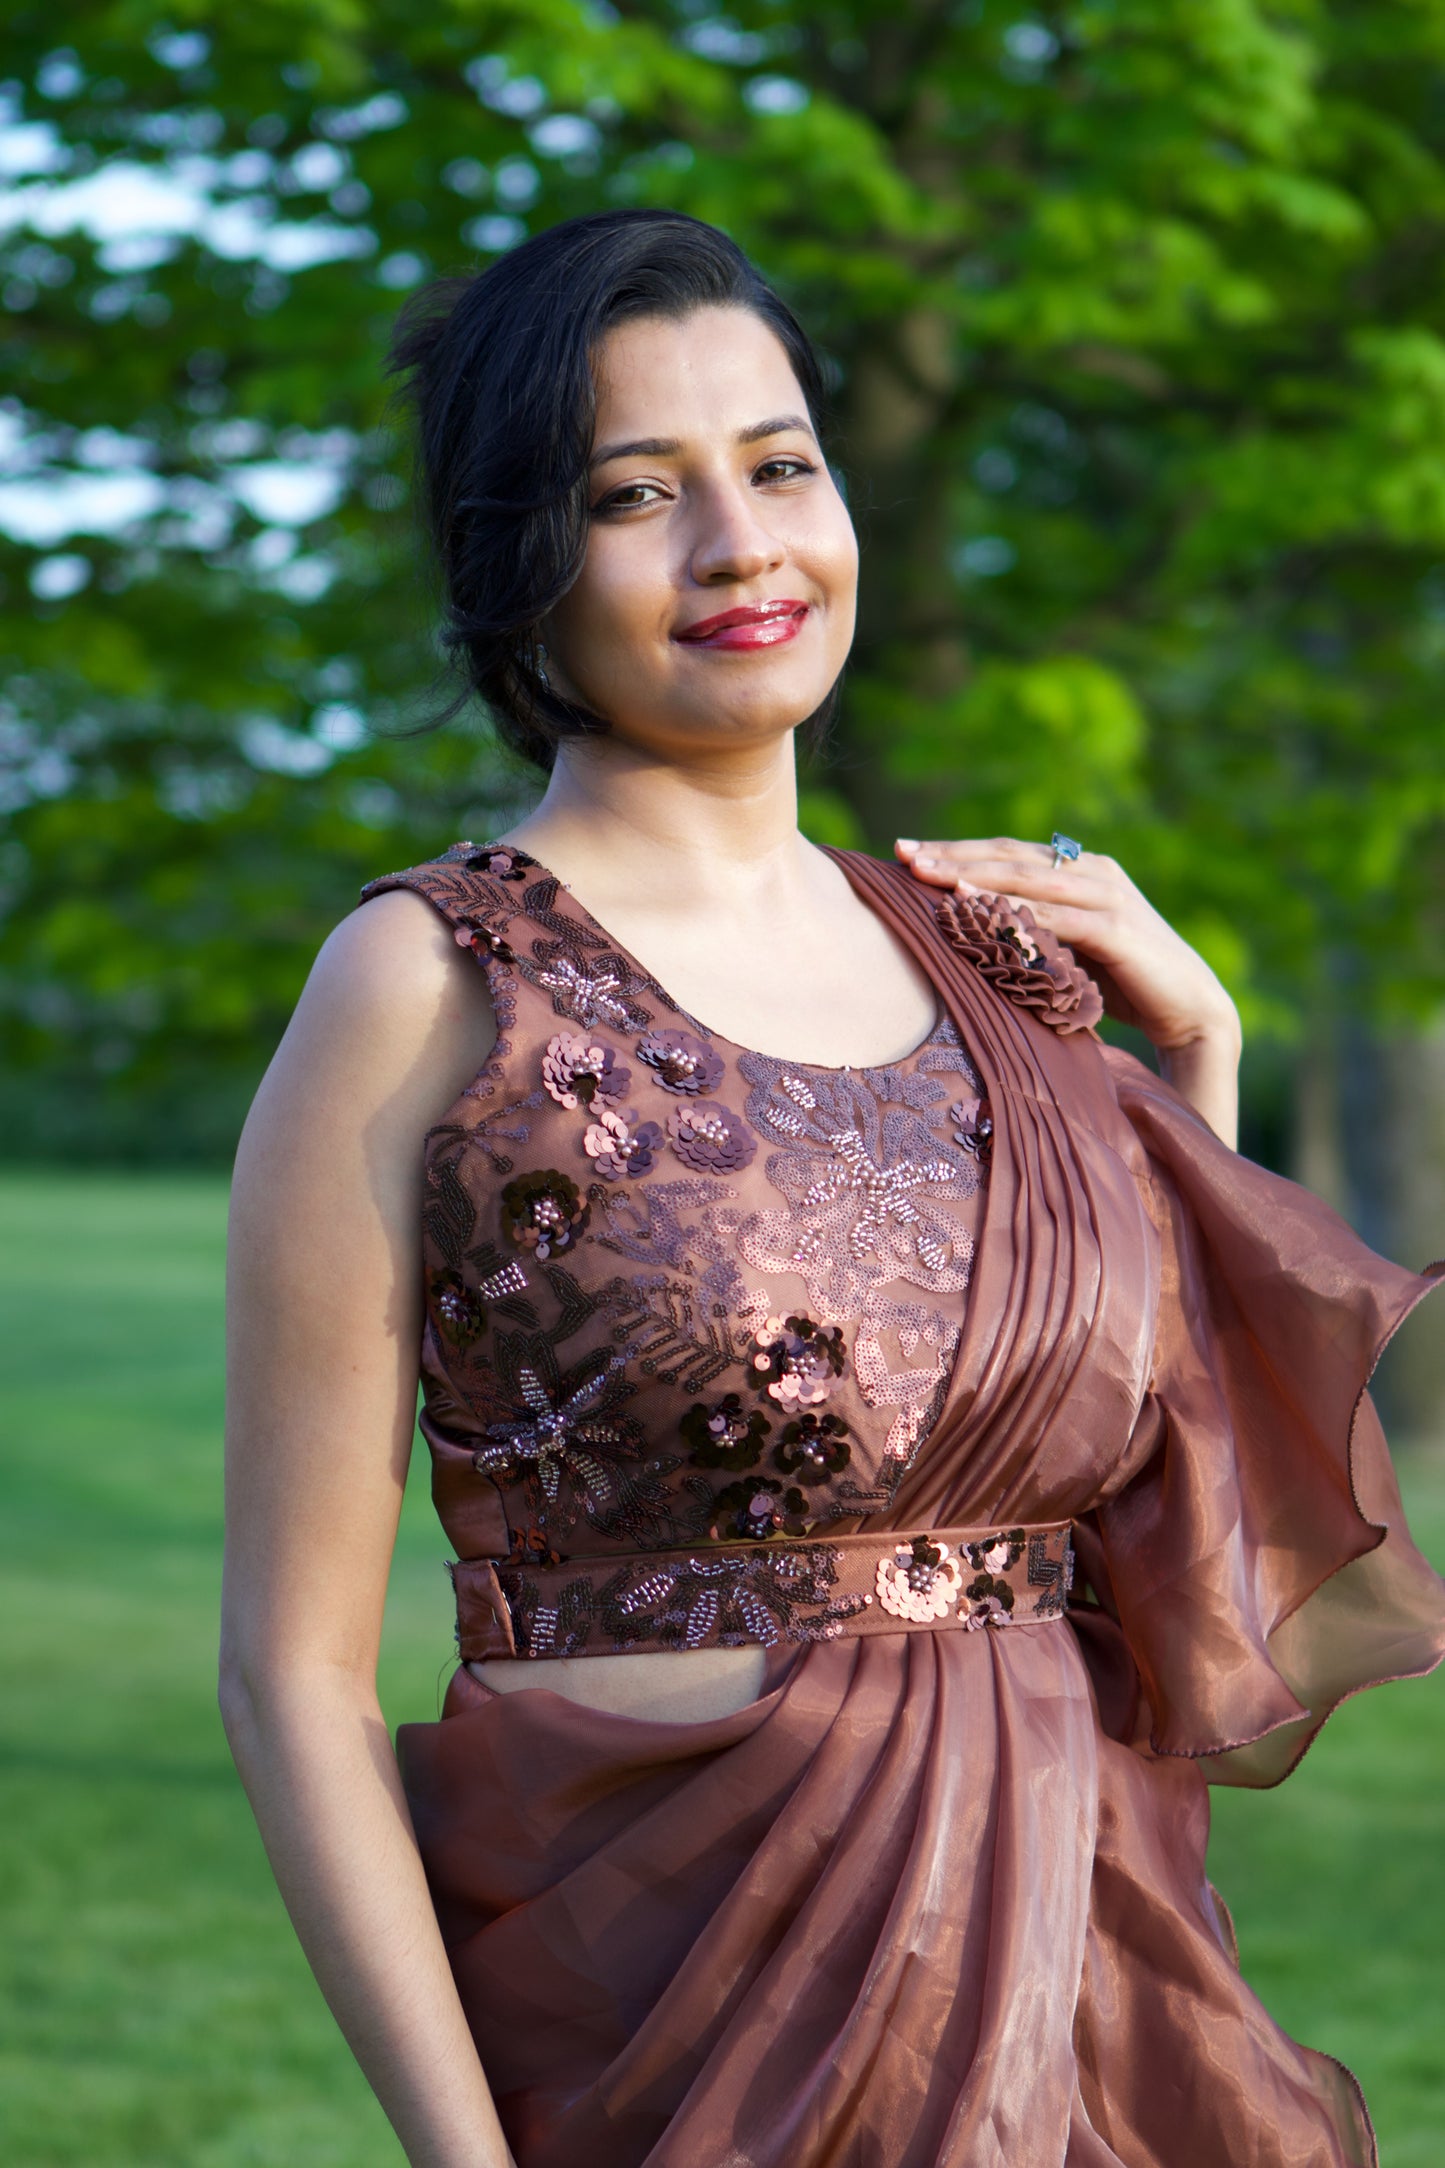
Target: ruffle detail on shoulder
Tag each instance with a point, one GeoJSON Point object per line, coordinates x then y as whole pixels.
{"type": "Point", "coordinates": [1257, 1562]}
{"type": "Point", "coordinates": [1021, 960]}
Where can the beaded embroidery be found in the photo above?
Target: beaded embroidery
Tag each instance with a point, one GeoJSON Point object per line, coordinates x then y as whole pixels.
{"type": "Point", "coordinates": [773, 1596]}
{"type": "Point", "coordinates": [680, 1293]}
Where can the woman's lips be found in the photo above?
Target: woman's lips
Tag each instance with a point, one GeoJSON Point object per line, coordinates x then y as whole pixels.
{"type": "Point", "coordinates": [767, 624]}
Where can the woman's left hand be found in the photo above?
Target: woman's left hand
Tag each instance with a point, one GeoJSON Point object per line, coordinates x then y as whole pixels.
{"type": "Point", "coordinates": [1148, 974]}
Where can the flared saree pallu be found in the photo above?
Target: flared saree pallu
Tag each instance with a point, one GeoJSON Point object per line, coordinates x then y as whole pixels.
{"type": "Point", "coordinates": [935, 1899]}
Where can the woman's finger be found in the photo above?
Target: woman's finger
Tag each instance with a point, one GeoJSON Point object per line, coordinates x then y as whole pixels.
{"type": "Point", "coordinates": [1068, 890]}
{"type": "Point", "coordinates": [1001, 859]}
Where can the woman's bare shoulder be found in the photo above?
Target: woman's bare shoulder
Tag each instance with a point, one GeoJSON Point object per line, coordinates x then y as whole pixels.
{"type": "Point", "coordinates": [395, 954]}
{"type": "Point", "coordinates": [394, 1021]}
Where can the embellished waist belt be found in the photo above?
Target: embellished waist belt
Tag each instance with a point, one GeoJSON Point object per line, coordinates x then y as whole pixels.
{"type": "Point", "coordinates": [757, 1594]}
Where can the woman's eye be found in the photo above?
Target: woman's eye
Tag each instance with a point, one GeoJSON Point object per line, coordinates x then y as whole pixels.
{"type": "Point", "coordinates": [784, 470]}
{"type": "Point", "coordinates": [626, 499]}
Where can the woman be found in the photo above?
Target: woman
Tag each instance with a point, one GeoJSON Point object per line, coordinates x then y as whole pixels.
{"type": "Point", "coordinates": [803, 1294]}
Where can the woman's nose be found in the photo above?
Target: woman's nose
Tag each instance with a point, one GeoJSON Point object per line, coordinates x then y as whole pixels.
{"type": "Point", "coordinates": [733, 542]}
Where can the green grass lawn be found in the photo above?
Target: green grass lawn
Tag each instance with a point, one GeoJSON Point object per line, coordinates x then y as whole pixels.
{"type": "Point", "coordinates": [154, 2008]}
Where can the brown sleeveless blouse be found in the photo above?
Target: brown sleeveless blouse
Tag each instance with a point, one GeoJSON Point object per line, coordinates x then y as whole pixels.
{"type": "Point", "coordinates": [677, 1292]}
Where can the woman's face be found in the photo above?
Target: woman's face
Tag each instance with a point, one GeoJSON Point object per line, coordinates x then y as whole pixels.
{"type": "Point", "coordinates": [715, 603]}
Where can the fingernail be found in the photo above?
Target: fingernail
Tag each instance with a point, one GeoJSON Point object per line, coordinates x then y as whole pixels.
{"type": "Point", "coordinates": [907, 843]}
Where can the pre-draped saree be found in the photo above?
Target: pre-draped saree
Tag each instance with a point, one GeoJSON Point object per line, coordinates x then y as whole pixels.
{"type": "Point", "coordinates": [939, 1900]}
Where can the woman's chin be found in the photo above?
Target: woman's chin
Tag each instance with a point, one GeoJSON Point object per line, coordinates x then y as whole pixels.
{"type": "Point", "coordinates": [764, 705]}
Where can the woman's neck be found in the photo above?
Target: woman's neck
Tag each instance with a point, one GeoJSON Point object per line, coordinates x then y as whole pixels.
{"type": "Point", "coordinates": [615, 822]}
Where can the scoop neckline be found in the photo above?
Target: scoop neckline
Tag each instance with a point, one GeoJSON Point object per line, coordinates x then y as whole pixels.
{"type": "Point", "coordinates": [816, 1068]}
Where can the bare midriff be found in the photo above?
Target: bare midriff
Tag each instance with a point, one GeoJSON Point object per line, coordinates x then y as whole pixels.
{"type": "Point", "coordinates": [677, 1686]}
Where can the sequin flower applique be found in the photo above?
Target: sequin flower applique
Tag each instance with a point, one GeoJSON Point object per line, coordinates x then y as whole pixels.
{"type": "Point", "coordinates": [757, 1508]}
{"type": "Point", "coordinates": [997, 1554]}
{"type": "Point", "coordinates": [1021, 959]}
{"type": "Point", "coordinates": [920, 1582]}
{"type": "Point", "coordinates": [727, 1436]}
{"type": "Point", "coordinates": [710, 1138]}
{"type": "Point", "coordinates": [577, 1071]}
{"type": "Point", "coordinates": [500, 863]}
{"type": "Point", "coordinates": [458, 1313]}
{"type": "Point", "coordinates": [813, 1447]}
{"type": "Point", "coordinates": [990, 1598]}
{"type": "Point", "coordinates": [543, 1211]}
{"type": "Point", "coordinates": [619, 1144]}
{"type": "Point", "coordinates": [459, 1309]}
{"type": "Point", "coordinates": [796, 1362]}
{"type": "Point", "coordinates": [484, 941]}
{"type": "Point", "coordinates": [973, 1128]}
{"type": "Point", "coordinates": [681, 1063]}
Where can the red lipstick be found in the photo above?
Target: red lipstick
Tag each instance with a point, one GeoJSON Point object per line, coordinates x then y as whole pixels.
{"type": "Point", "coordinates": [757, 624]}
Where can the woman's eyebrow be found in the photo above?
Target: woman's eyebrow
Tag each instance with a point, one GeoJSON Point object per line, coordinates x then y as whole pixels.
{"type": "Point", "coordinates": [670, 447]}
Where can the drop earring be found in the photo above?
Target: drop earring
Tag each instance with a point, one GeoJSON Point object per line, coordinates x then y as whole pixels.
{"type": "Point", "coordinates": [543, 679]}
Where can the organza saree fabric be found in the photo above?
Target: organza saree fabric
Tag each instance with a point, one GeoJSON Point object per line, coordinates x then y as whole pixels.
{"type": "Point", "coordinates": [939, 1901]}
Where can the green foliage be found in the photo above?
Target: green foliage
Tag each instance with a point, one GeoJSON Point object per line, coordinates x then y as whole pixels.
{"type": "Point", "coordinates": [1140, 360]}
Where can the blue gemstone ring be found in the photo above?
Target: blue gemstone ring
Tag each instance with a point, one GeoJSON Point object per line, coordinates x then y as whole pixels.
{"type": "Point", "coordinates": [1063, 847]}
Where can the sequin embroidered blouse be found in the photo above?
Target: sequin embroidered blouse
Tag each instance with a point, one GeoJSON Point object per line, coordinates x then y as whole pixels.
{"type": "Point", "coordinates": [677, 1293]}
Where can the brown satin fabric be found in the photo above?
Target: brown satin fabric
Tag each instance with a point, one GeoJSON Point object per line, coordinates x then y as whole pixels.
{"type": "Point", "coordinates": [934, 1901]}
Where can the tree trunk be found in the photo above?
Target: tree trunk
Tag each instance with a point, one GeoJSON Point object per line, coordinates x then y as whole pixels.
{"type": "Point", "coordinates": [1317, 1155]}
{"type": "Point", "coordinates": [1401, 1173]}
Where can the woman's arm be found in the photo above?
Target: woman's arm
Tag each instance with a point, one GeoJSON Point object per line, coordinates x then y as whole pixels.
{"type": "Point", "coordinates": [323, 1332]}
{"type": "Point", "coordinates": [1148, 974]}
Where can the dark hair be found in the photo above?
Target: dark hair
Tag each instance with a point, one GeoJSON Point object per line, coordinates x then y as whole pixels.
{"type": "Point", "coordinates": [498, 370]}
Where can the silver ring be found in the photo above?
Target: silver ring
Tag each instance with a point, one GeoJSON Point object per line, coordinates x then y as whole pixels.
{"type": "Point", "coordinates": [1063, 847]}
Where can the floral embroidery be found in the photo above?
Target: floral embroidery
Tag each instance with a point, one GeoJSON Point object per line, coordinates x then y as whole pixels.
{"type": "Point", "coordinates": [769, 1333]}
{"type": "Point", "coordinates": [500, 862]}
{"type": "Point", "coordinates": [680, 1062]}
{"type": "Point", "coordinates": [880, 1193]}
{"type": "Point", "coordinates": [685, 1332]}
{"type": "Point", "coordinates": [710, 1138]}
{"type": "Point", "coordinates": [973, 1128]}
{"type": "Point", "coordinates": [732, 1601]}
{"type": "Point", "coordinates": [997, 1554]}
{"type": "Point", "coordinates": [921, 1581]}
{"type": "Point", "coordinates": [730, 1436]}
{"type": "Point", "coordinates": [619, 1144]}
{"type": "Point", "coordinates": [813, 1447]}
{"type": "Point", "coordinates": [990, 1602]}
{"type": "Point", "coordinates": [866, 1183]}
{"type": "Point", "coordinates": [917, 1394]}
{"type": "Point", "coordinates": [1053, 1576]}
{"type": "Point", "coordinates": [485, 942]}
{"type": "Point", "coordinates": [458, 1308]}
{"type": "Point", "coordinates": [1021, 959]}
{"type": "Point", "coordinates": [588, 997]}
{"type": "Point", "coordinates": [758, 1508]}
{"type": "Point", "coordinates": [990, 1598]}
{"type": "Point", "coordinates": [796, 1362]}
{"type": "Point", "coordinates": [560, 1436]}
{"type": "Point", "coordinates": [761, 1592]}
{"type": "Point", "coordinates": [543, 1211]}
{"type": "Point", "coordinates": [575, 1071]}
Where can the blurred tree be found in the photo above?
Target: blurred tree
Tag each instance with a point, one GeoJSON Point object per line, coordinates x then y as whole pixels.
{"type": "Point", "coordinates": [1139, 343]}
